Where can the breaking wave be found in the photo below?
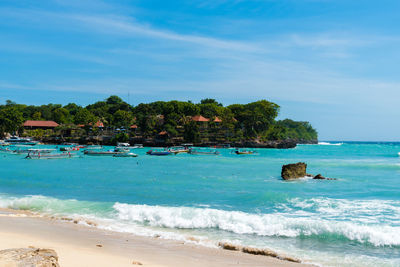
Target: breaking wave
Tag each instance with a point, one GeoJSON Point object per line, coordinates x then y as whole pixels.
{"type": "Point", "coordinates": [371, 222]}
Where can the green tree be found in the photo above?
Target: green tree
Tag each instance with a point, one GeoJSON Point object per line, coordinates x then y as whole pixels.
{"type": "Point", "coordinates": [122, 118]}
{"type": "Point", "coordinates": [11, 119]}
{"type": "Point", "coordinates": [61, 115]}
{"type": "Point", "coordinates": [84, 117]}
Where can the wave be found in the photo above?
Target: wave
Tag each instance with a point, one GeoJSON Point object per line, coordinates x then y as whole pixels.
{"type": "Point", "coordinates": [270, 225]}
{"type": "Point", "coordinates": [329, 144]}
{"type": "Point", "coordinates": [316, 218]}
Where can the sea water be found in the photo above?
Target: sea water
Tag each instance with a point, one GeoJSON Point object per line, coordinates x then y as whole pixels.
{"type": "Point", "coordinates": [351, 221]}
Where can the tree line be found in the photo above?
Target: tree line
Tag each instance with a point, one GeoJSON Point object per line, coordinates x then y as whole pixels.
{"type": "Point", "coordinates": [255, 120]}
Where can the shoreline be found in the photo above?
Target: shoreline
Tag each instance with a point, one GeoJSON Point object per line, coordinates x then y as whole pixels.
{"type": "Point", "coordinates": [80, 245]}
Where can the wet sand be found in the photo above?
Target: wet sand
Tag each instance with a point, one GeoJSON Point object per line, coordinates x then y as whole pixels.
{"type": "Point", "coordinates": [79, 245]}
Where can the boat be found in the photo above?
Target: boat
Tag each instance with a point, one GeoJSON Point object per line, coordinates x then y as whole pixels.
{"type": "Point", "coordinates": [123, 145]}
{"type": "Point", "coordinates": [113, 152]}
{"type": "Point", "coordinates": [244, 152]}
{"type": "Point", "coordinates": [40, 154]}
{"type": "Point", "coordinates": [21, 141]}
{"type": "Point", "coordinates": [69, 148]}
{"type": "Point", "coordinates": [2, 143]}
{"type": "Point", "coordinates": [203, 152]}
{"type": "Point", "coordinates": [93, 147]}
{"type": "Point", "coordinates": [138, 146]}
{"type": "Point", "coordinates": [122, 149]}
{"type": "Point", "coordinates": [126, 155]}
{"type": "Point", "coordinates": [24, 149]}
{"type": "Point", "coordinates": [102, 153]}
{"type": "Point", "coordinates": [159, 153]}
{"type": "Point", "coordinates": [178, 149]}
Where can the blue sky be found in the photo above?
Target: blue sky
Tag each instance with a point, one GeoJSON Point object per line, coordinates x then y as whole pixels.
{"type": "Point", "coordinates": [333, 63]}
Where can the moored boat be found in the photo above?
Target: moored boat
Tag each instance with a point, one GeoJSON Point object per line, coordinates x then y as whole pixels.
{"type": "Point", "coordinates": [244, 152]}
{"type": "Point", "coordinates": [158, 153]}
{"type": "Point", "coordinates": [39, 154]}
{"type": "Point", "coordinates": [102, 153]}
{"type": "Point", "coordinates": [178, 149]}
{"type": "Point", "coordinates": [21, 141]}
{"type": "Point", "coordinates": [203, 152]}
{"type": "Point", "coordinates": [126, 155]}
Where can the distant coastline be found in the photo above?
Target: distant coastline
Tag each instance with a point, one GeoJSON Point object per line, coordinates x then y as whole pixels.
{"type": "Point", "coordinates": [160, 123]}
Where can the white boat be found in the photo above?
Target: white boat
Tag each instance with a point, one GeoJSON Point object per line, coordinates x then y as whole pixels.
{"type": "Point", "coordinates": [122, 149]}
{"type": "Point", "coordinates": [126, 155]}
{"type": "Point", "coordinates": [203, 152]}
{"type": "Point", "coordinates": [21, 141]}
{"type": "Point", "coordinates": [37, 154]}
{"type": "Point", "coordinates": [138, 146]}
{"type": "Point", "coordinates": [178, 149]}
{"type": "Point", "coordinates": [93, 147]}
{"type": "Point", "coordinates": [2, 143]}
{"type": "Point", "coordinates": [123, 145]}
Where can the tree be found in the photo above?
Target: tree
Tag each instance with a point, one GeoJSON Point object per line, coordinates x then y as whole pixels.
{"type": "Point", "coordinates": [84, 117]}
{"type": "Point", "coordinates": [11, 119]}
{"type": "Point", "coordinates": [122, 118]}
{"type": "Point", "coordinates": [61, 115]}
{"type": "Point", "coordinates": [210, 101]}
{"type": "Point", "coordinates": [37, 116]}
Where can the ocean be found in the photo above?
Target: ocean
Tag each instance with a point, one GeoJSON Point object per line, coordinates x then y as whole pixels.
{"type": "Point", "coordinates": [351, 221]}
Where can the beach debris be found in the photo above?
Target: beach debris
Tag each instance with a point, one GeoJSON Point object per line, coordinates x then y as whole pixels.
{"type": "Point", "coordinates": [294, 171]}
{"type": "Point", "coordinates": [91, 223]}
{"type": "Point", "coordinates": [137, 263]}
{"type": "Point", "coordinates": [99, 245]}
{"type": "Point", "coordinates": [229, 246]}
{"type": "Point", "coordinates": [257, 251]}
{"type": "Point", "coordinates": [32, 256]}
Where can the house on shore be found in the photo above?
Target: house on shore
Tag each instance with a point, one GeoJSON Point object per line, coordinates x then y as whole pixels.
{"type": "Point", "coordinates": [45, 125]}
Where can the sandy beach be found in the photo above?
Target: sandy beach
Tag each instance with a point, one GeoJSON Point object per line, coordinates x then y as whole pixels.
{"type": "Point", "coordinates": [78, 245]}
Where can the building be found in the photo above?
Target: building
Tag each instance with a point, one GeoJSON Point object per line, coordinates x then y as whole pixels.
{"type": "Point", "coordinates": [199, 118]}
{"type": "Point", "coordinates": [31, 125]}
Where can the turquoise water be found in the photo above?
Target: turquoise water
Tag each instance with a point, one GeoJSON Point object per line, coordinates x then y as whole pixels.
{"type": "Point", "coordinates": [352, 221]}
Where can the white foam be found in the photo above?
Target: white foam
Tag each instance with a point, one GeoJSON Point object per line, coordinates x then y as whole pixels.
{"type": "Point", "coordinates": [277, 224]}
{"type": "Point", "coordinates": [329, 144]}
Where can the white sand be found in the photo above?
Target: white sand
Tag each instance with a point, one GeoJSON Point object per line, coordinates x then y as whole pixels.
{"type": "Point", "coordinates": [76, 246]}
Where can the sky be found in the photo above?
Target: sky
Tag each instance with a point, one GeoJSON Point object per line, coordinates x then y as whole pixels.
{"type": "Point", "coordinates": [334, 63]}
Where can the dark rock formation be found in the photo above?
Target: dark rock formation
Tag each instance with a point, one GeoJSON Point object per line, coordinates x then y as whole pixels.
{"type": "Point", "coordinates": [294, 171]}
{"type": "Point", "coordinates": [320, 177]}
{"type": "Point", "coordinates": [34, 257]}
{"type": "Point", "coordinates": [257, 251]}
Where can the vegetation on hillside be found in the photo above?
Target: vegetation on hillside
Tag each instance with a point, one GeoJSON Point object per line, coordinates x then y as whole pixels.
{"type": "Point", "coordinates": [172, 119]}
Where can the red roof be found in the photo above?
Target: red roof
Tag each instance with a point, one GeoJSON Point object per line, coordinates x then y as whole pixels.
{"type": "Point", "coordinates": [199, 118]}
{"type": "Point", "coordinates": [97, 124]}
{"type": "Point", "coordinates": [49, 124]}
{"type": "Point", "coordinates": [217, 119]}
{"type": "Point", "coordinates": [162, 133]}
{"type": "Point", "coordinates": [134, 126]}
{"type": "Point", "coordinates": [81, 125]}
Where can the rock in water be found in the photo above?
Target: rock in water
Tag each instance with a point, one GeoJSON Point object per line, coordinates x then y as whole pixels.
{"type": "Point", "coordinates": [294, 171]}
{"type": "Point", "coordinates": [32, 257]}
{"type": "Point", "coordinates": [319, 177]}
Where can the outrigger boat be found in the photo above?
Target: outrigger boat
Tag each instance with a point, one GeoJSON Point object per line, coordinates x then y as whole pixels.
{"type": "Point", "coordinates": [21, 141]}
{"type": "Point", "coordinates": [203, 152]}
{"type": "Point", "coordinates": [42, 154]}
{"type": "Point", "coordinates": [103, 153]}
{"type": "Point", "coordinates": [126, 155]}
{"type": "Point", "coordinates": [244, 152]}
{"type": "Point", "coordinates": [178, 149]}
{"type": "Point", "coordinates": [158, 153]}
{"type": "Point", "coordinates": [2, 143]}
{"type": "Point", "coordinates": [69, 148]}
